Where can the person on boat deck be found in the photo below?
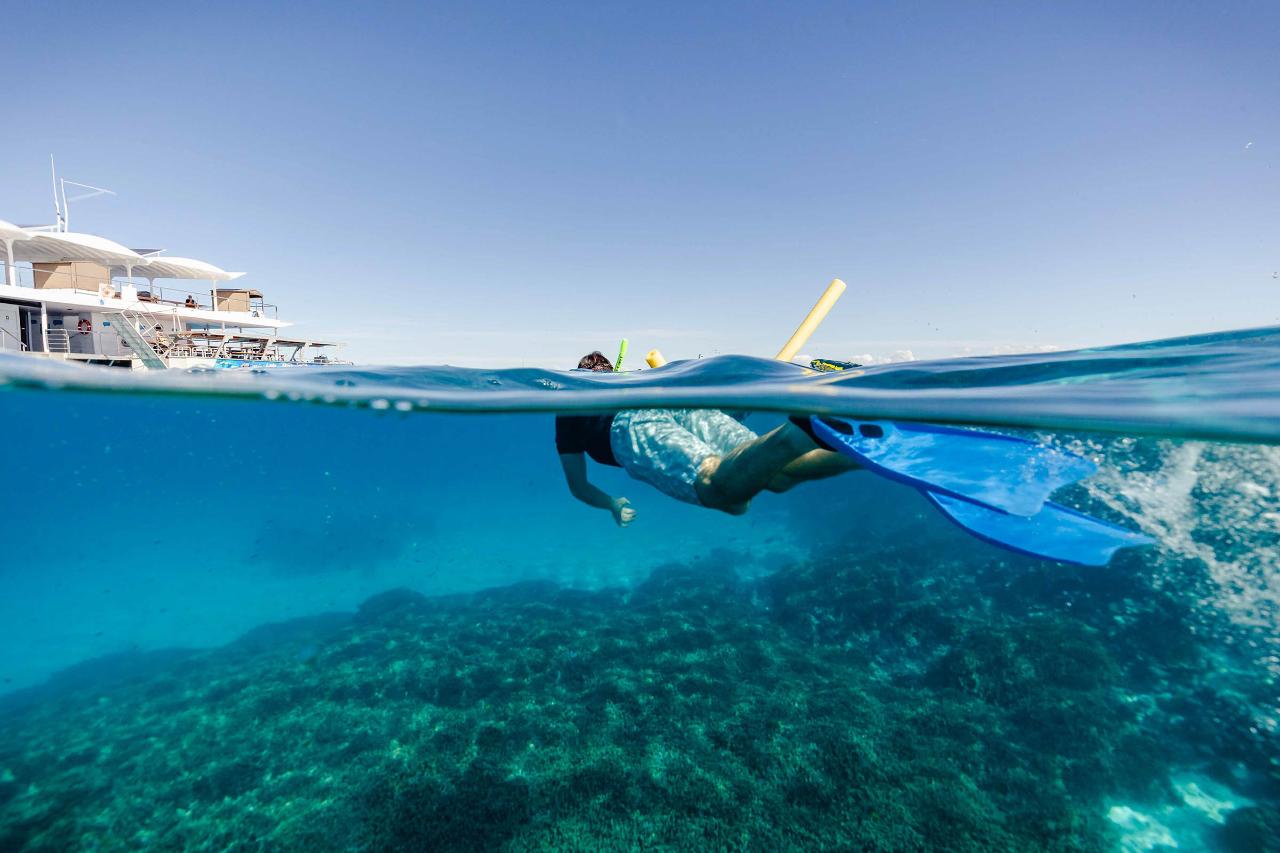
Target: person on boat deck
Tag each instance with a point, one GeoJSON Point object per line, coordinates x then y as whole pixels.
{"type": "Point", "coordinates": [699, 456]}
{"type": "Point", "coordinates": [190, 303]}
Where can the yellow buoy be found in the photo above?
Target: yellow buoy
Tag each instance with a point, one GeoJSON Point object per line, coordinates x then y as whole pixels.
{"type": "Point", "coordinates": [655, 359]}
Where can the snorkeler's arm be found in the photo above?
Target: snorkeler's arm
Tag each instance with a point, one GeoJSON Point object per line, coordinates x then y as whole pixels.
{"type": "Point", "coordinates": [575, 474]}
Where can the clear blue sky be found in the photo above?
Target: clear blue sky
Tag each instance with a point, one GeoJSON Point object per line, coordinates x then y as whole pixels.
{"type": "Point", "coordinates": [488, 184]}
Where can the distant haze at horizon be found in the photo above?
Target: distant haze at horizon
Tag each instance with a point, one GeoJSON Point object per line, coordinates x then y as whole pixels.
{"type": "Point", "coordinates": [502, 184]}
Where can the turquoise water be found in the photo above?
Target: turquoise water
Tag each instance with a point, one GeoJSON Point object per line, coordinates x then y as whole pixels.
{"type": "Point", "coordinates": [358, 609]}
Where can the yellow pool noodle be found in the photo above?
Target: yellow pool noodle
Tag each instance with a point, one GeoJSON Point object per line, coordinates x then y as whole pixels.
{"type": "Point", "coordinates": [655, 359]}
{"type": "Point", "coordinates": [818, 313]}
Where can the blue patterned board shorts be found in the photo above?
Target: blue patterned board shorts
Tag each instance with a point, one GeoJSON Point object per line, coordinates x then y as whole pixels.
{"type": "Point", "coordinates": [666, 447]}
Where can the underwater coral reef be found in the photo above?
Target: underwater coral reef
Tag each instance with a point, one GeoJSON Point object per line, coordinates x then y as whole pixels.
{"type": "Point", "coordinates": [860, 700]}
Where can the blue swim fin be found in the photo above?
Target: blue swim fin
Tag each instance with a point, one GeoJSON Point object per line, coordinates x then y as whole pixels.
{"type": "Point", "coordinates": [1010, 474]}
{"type": "Point", "coordinates": [1054, 533]}
{"type": "Point", "coordinates": [994, 486]}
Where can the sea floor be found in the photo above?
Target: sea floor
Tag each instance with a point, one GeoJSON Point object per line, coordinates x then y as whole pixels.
{"type": "Point", "coordinates": [860, 700]}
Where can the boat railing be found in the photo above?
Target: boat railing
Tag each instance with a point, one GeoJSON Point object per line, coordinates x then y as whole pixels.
{"type": "Point", "coordinates": [8, 341]}
{"type": "Point", "coordinates": [151, 292]}
{"type": "Point", "coordinates": [185, 345]}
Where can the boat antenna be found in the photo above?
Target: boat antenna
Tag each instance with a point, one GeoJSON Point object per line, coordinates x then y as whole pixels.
{"type": "Point", "coordinates": [60, 188]}
{"type": "Point", "coordinates": [57, 206]}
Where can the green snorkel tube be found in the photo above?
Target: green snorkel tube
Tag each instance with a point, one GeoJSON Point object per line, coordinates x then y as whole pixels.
{"type": "Point", "coordinates": [622, 353]}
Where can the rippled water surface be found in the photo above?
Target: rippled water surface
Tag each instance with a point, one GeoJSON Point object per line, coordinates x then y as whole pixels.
{"type": "Point", "coordinates": [358, 609]}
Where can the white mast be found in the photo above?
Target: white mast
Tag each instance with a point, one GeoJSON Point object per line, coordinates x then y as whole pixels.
{"type": "Point", "coordinates": [57, 206]}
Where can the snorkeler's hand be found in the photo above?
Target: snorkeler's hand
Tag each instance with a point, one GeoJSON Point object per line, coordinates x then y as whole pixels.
{"type": "Point", "coordinates": [623, 514]}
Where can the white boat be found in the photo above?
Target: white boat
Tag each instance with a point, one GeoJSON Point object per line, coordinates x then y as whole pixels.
{"type": "Point", "coordinates": [83, 298]}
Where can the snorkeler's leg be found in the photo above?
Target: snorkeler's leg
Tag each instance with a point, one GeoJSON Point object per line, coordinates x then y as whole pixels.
{"type": "Point", "coordinates": [814, 465]}
{"type": "Point", "coordinates": [727, 483]}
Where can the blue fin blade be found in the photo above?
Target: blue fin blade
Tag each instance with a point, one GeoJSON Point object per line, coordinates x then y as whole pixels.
{"type": "Point", "coordinates": [1054, 533]}
{"type": "Point", "coordinates": [1010, 474]}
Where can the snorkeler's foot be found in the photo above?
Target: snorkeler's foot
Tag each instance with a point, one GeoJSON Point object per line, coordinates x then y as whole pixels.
{"type": "Point", "coordinates": [805, 424]}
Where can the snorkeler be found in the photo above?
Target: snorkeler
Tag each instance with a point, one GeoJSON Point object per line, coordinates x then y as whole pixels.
{"type": "Point", "coordinates": [699, 456]}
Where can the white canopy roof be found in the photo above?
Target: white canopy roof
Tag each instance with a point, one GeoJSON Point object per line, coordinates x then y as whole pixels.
{"type": "Point", "coordinates": [38, 246]}
{"type": "Point", "coordinates": [9, 231]}
{"type": "Point", "coordinates": [163, 266]}
{"type": "Point", "coordinates": [61, 246]}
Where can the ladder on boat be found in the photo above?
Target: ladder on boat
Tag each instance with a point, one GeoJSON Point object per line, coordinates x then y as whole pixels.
{"type": "Point", "coordinates": [127, 329]}
{"type": "Point", "coordinates": [58, 340]}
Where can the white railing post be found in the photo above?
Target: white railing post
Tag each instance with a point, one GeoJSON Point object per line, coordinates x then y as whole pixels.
{"type": "Point", "coordinates": [10, 275]}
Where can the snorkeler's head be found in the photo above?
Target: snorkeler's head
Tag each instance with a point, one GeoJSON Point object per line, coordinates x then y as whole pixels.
{"type": "Point", "coordinates": [595, 361]}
